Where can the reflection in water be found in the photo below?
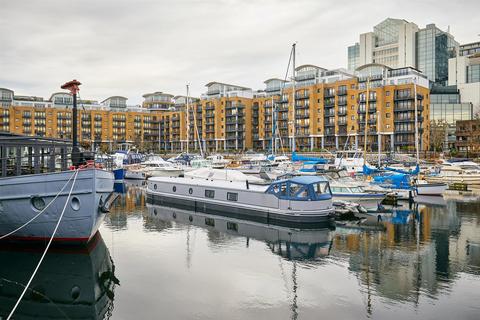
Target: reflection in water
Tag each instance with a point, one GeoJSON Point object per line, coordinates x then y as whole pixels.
{"type": "Point", "coordinates": [71, 283]}
{"type": "Point", "coordinates": [421, 264]}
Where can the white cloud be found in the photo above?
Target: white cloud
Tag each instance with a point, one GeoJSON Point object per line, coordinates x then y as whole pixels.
{"type": "Point", "coordinates": [132, 47]}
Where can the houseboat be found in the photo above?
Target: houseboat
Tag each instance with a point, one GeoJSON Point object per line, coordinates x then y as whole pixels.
{"type": "Point", "coordinates": [299, 200]}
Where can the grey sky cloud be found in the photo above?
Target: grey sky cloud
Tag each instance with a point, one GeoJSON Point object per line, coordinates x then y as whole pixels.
{"type": "Point", "coordinates": [120, 47]}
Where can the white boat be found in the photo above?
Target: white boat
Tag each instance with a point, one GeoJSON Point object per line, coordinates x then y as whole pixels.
{"type": "Point", "coordinates": [135, 172]}
{"type": "Point", "coordinates": [455, 174]}
{"type": "Point", "coordinates": [351, 161]}
{"type": "Point", "coordinates": [354, 192]}
{"type": "Point", "coordinates": [299, 200]}
{"type": "Point", "coordinates": [218, 161]}
{"type": "Point", "coordinates": [423, 188]}
{"type": "Point", "coordinates": [161, 169]}
{"type": "Point", "coordinates": [23, 197]}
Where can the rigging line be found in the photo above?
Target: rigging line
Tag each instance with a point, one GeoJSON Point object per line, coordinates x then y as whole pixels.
{"type": "Point", "coordinates": [38, 214]}
{"type": "Point", "coordinates": [281, 95]}
{"type": "Point", "coordinates": [46, 249]}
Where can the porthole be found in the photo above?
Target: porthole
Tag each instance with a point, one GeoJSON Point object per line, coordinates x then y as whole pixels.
{"type": "Point", "coordinates": [75, 204]}
{"type": "Point", "coordinates": [75, 292]}
{"type": "Point", "coordinates": [190, 191]}
{"type": "Point", "coordinates": [155, 186]}
{"type": "Point", "coordinates": [38, 203]}
{"type": "Point", "coordinates": [190, 218]}
{"type": "Point", "coordinates": [174, 189]}
{"type": "Point", "coordinates": [174, 215]}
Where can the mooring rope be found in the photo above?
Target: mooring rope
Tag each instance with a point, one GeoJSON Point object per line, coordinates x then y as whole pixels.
{"type": "Point", "coordinates": [46, 249]}
{"type": "Point", "coordinates": [38, 214]}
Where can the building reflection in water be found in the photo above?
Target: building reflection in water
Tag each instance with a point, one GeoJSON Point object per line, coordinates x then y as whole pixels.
{"type": "Point", "coordinates": [72, 283]}
{"type": "Point", "coordinates": [420, 257]}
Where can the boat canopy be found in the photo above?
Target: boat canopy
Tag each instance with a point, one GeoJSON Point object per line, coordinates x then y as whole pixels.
{"type": "Point", "coordinates": [296, 157]}
{"type": "Point", "coordinates": [303, 188]}
{"type": "Point", "coordinates": [411, 172]}
{"type": "Point", "coordinates": [394, 180]}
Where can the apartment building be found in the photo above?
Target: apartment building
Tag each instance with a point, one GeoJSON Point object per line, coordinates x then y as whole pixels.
{"type": "Point", "coordinates": [330, 109]}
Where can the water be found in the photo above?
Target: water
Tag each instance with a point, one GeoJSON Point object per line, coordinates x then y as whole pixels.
{"type": "Point", "coordinates": [151, 262]}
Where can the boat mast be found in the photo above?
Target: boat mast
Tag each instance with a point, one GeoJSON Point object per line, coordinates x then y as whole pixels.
{"type": "Point", "coordinates": [273, 139]}
{"type": "Point", "coordinates": [73, 87]}
{"type": "Point", "coordinates": [188, 119]}
{"type": "Point", "coordinates": [195, 106]}
{"type": "Point", "coordinates": [379, 138]}
{"type": "Point", "coordinates": [416, 121]}
{"type": "Point", "coordinates": [366, 122]}
{"type": "Point", "coordinates": [293, 95]}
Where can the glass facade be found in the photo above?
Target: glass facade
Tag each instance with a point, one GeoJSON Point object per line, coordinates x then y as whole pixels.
{"type": "Point", "coordinates": [386, 32]}
{"type": "Point", "coordinates": [434, 48]}
{"type": "Point", "coordinates": [445, 105]}
{"type": "Point", "coordinates": [353, 56]}
{"type": "Point", "coordinates": [473, 73]}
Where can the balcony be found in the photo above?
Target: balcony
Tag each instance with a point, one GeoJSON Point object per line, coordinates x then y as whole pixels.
{"type": "Point", "coordinates": [342, 112]}
{"type": "Point", "coordinates": [399, 97]}
{"type": "Point", "coordinates": [329, 93]}
{"type": "Point", "coordinates": [342, 92]}
{"type": "Point", "coordinates": [210, 108]}
{"type": "Point", "coordinates": [329, 124]}
{"type": "Point", "coordinates": [302, 96]}
{"type": "Point", "coordinates": [408, 108]}
{"type": "Point", "coordinates": [342, 102]}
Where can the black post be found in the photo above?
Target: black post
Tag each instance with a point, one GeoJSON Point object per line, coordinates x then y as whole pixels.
{"type": "Point", "coordinates": [76, 156]}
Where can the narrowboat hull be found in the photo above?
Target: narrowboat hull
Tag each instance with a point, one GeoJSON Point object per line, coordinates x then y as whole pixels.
{"type": "Point", "coordinates": [23, 197]}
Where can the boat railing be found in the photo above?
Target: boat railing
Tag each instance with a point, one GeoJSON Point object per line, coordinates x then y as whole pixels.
{"type": "Point", "coordinates": [46, 162]}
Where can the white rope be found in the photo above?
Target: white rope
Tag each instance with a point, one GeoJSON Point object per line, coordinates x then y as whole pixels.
{"type": "Point", "coordinates": [38, 214]}
{"type": "Point", "coordinates": [46, 249]}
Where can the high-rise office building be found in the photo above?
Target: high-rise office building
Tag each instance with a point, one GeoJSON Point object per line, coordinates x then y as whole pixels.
{"type": "Point", "coordinates": [434, 48]}
{"type": "Point", "coordinates": [398, 43]}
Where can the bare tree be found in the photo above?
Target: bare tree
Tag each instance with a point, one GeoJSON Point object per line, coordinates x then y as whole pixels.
{"type": "Point", "coordinates": [438, 131]}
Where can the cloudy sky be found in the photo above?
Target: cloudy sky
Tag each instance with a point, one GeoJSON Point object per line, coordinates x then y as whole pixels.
{"type": "Point", "coordinates": [131, 47]}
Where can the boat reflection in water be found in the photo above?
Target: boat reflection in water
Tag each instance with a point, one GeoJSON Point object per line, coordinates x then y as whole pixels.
{"type": "Point", "coordinates": [72, 283]}
{"type": "Point", "coordinates": [285, 240]}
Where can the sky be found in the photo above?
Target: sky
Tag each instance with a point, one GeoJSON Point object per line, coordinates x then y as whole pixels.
{"type": "Point", "coordinates": [133, 47]}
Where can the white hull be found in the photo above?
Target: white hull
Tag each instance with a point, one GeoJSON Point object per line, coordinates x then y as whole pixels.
{"type": "Point", "coordinates": [469, 179]}
{"type": "Point", "coordinates": [251, 200]}
{"type": "Point", "coordinates": [164, 173]}
{"type": "Point", "coordinates": [431, 189]}
{"type": "Point", "coordinates": [369, 202]}
{"type": "Point", "coordinates": [83, 214]}
{"type": "Point", "coordinates": [136, 175]}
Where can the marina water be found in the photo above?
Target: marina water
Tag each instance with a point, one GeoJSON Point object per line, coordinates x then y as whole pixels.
{"type": "Point", "coordinates": [151, 262]}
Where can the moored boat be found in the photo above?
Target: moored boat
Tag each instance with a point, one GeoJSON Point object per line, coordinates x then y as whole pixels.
{"type": "Point", "coordinates": [23, 197]}
{"type": "Point", "coordinates": [299, 199]}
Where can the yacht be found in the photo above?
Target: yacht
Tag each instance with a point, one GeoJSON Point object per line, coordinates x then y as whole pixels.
{"type": "Point", "coordinates": [352, 161]}
{"type": "Point", "coordinates": [299, 199]}
{"type": "Point", "coordinates": [218, 161]}
{"type": "Point", "coordinates": [353, 192]}
{"type": "Point", "coordinates": [157, 167]}
{"type": "Point", "coordinates": [468, 174]}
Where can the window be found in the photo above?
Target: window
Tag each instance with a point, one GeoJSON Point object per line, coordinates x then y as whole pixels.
{"type": "Point", "coordinates": [388, 104]}
{"type": "Point", "coordinates": [353, 117]}
{"type": "Point", "coordinates": [387, 115]}
{"type": "Point", "coordinates": [232, 226]}
{"type": "Point", "coordinates": [387, 93]}
{"type": "Point", "coordinates": [210, 222]}
{"type": "Point", "coordinates": [232, 196]}
{"type": "Point", "coordinates": [352, 97]}
{"type": "Point", "coordinates": [209, 194]}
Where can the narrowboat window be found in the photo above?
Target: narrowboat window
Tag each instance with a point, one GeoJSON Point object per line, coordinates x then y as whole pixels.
{"type": "Point", "coordinates": [209, 193]}
{"type": "Point", "coordinates": [190, 191]}
{"type": "Point", "coordinates": [210, 222]}
{"type": "Point", "coordinates": [174, 189]}
{"type": "Point", "coordinates": [232, 196]}
{"type": "Point", "coordinates": [356, 189]}
{"type": "Point", "coordinates": [232, 226]}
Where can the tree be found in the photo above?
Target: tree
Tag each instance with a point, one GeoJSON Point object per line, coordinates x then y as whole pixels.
{"type": "Point", "coordinates": [438, 131]}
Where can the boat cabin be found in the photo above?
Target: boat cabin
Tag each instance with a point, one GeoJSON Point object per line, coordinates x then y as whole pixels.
{"type": "Point", "coordinates": [303, 188]}
{"type": "Point", "coordinates": [20, 155]}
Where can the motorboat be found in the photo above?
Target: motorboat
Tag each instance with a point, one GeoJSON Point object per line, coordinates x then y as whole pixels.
{"type": "Point", "coordinates": [135, 172]}
{"type": "Point", "coordinates": [465, 174]}
{"type": "Point", "coordinates": [218, 161]}
{"type": "Point", "coordinates": [352, 161]}
{"type": "Point", "coordinates": [157, 167]}
{"type": "Point", "coordinates": [353, 192]}
{"type": "Point", "coordinates": [300, 199]}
